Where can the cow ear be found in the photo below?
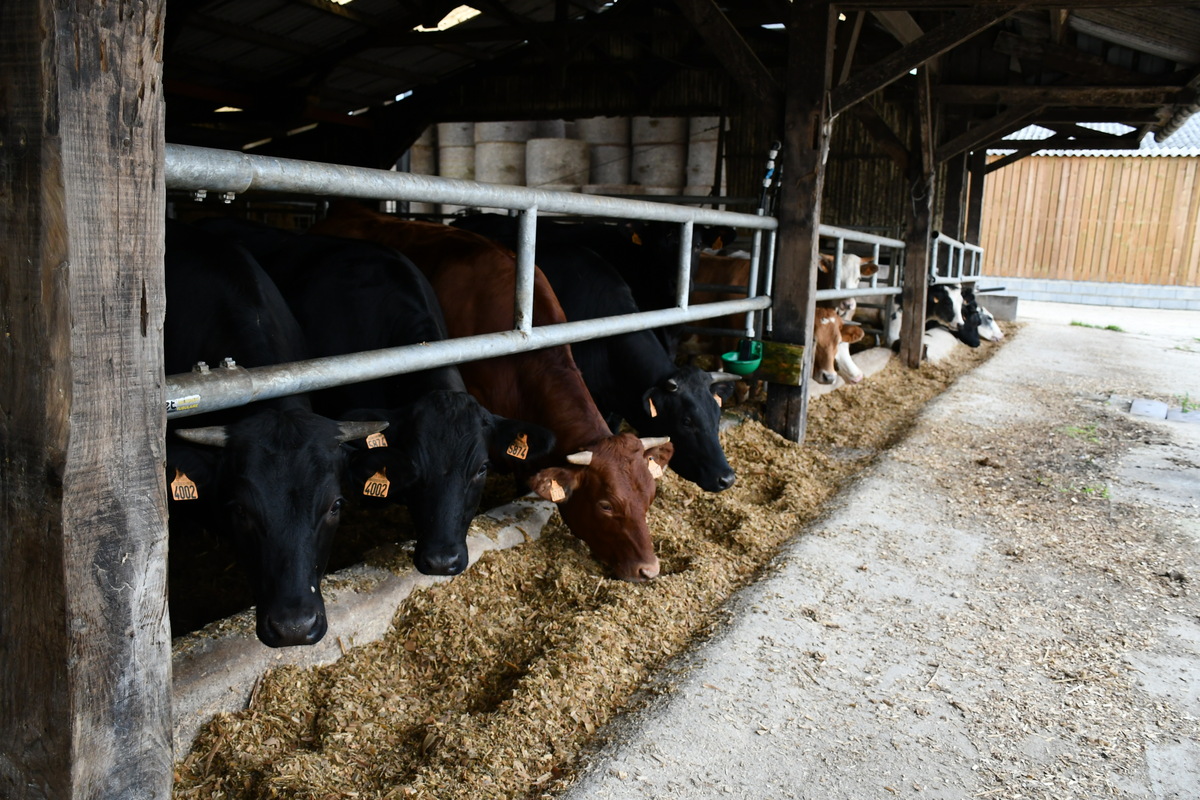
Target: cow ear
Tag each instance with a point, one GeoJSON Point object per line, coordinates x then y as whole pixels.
{"type": "Point", "coordinates": [194, 466]}
{"type": "Point", "coordinates": [868, 268]}
{"type": "Point", "coordinates": [649, 407]}
{"type": "Point", "coordinates": [556, 483]}
{"type": "Point", "coordinates": [825, 262]}
{"type": "Point", "coordinates": [658, 457]}
{"type": "Point", "coordinates": [852, 333]}
{"type": "Point", "coordinates": [365, 469]}
{"type": "Point", "coordinates": [514, 442]}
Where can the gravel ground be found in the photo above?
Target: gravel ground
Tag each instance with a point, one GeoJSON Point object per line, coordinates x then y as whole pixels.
{"type": "Point", "coordinates": [1002, 606]}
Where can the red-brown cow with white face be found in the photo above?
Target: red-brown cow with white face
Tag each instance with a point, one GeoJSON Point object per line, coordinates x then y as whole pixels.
{"type": "Point", "coordinates": [603, 501]}
{"type": "Point", "coordinates": [831, 335]}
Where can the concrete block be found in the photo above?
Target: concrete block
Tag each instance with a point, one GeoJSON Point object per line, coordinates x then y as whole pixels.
{"type": "Point", "coordinates": [1148, 408]}
{"type": "Point", "coordinates": [1002, 306]}
{"type": "Point", "coordinates": [1179, 415]}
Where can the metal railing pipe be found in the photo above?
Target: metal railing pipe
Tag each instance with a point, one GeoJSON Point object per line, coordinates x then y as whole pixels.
{"type": "Point", "coordinates": [200, 168]}
{"type": "Point", "coordinates": [196, 393]}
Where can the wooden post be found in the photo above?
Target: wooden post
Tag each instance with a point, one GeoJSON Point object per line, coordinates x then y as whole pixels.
{"type": "Point", "coordinates": [916, 238]}
{"type": "Point", "coordinates": [84, 633]}
{"type": "Point", "coordinates": [976, 164]}
{"type": "Point", "coordinates": [805, 144]}
{"type": "Point", "coordinates": [954, 197]}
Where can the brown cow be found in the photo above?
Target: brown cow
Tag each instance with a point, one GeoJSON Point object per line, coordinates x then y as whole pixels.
{"type": "Point", "coordinates": [605, 490]}
{"type": "Point", "coordinates": [831, 343]}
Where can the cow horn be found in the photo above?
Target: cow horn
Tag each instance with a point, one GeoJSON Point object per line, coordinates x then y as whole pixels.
{"type": "Point", "coordinates": [215, 435]}
{"type": "Point", "coordinates": [582, 458]}
{"type": "Point", "coordinates": [349, 430]}
{"type": "Point", "coordinates": [722, 377]}
{"type": "Point", "coordinates": [654, 441]}
{"type": "Point", "coordinates": [671, 385]}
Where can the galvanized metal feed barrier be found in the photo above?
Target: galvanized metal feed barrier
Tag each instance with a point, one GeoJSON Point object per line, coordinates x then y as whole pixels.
{"type": "Point", "coordinates": [203, 169]}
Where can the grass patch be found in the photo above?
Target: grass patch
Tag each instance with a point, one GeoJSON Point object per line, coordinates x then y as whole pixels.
{"type": "Point", "coordinates": [1088, 433]}
{"type": "Point", "coordinates": [1116, 328]}
{"type": "Point", "coordinates": [1186, 403]}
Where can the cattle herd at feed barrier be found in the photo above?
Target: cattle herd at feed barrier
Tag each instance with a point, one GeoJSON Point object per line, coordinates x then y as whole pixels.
{"type": "Point", "coordinates": [273, 476]}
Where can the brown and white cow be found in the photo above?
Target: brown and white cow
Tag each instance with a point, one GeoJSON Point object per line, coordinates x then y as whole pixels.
{"type": "Point", "coordinates": [828, 348]}
{"type": "Point", "coordinates": [854, 270]}
{"type": "Point", "coordinates": [603, 484]}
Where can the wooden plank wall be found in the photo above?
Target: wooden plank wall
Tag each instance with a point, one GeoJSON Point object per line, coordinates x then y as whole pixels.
{"type": "Point", "coordinates": [1112, 219]}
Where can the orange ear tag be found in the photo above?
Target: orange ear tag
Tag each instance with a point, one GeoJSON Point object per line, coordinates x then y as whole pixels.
{"type": "Point", "coordinates": [377, 485]}
{"type": "Point", "coordinates": [183, 487]}
{"type": "Point", "coordinates": [519, 447]}
{"type": "Point", "coordinates": [557, 493]}
{"type": "Point", "coordinates": [653, 410]}
{"type": "Point", "coordinates": [636, 239]}
{"type": "Point", "coordinates": [656, 471]}
{"type": "Point", "coordinates": [376, 440]}
{"type": "Point", "coordinates": [718, 243]}
{"type": "Point", "coordinates": [717, 397]}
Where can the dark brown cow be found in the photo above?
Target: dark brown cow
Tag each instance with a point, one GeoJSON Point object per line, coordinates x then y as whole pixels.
{"type": "Point", "coordinates": [605, 490]}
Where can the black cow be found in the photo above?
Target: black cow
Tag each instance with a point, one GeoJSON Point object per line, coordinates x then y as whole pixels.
{"type": "Point", "coordinates": [351, 295]}
{"type": "Point", "coordinates": [630, 376]}
{"type": "Point", "coordinates": [267, 475]}
{"type": "Point", "coordinates": [644, 254]}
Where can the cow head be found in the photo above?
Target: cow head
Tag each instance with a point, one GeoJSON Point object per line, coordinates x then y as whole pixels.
{"type": "Point", "coordinates": [280, 491]}
{"type": "Point", "coordinates": [434, 458]}
{"type": "Point", "coordinates": [604, 496]}
{"type": "Point", "coordinates": [944, 303]}
{"type": "Point", "coordinates": [988, 327]}
{"type": "Point", "coordinates": [830, 332]}
{"type": "Point", "coordinates": [686, 407]}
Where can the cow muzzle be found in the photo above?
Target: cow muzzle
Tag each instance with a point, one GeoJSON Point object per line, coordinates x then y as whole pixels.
{"type": "Point", "coordinates": [290, 627]}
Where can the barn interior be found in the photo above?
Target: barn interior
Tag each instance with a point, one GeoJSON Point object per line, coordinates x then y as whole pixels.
{"type": "Point", "coordinates": [884, 112]}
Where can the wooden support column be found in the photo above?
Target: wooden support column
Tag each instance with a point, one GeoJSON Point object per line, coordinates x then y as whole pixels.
{"type": "Point", "coordinates": [976, 164]}
{"type": "Point", "coordinates": [805, 145]}
{"type": "Point", "coordinates": [954, 197]}
{"type": "Point", "coordinates": [919, 211]}
{"type": "Point", "coordinates": [84, 633]}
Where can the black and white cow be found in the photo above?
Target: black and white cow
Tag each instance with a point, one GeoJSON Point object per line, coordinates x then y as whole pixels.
{"type": "Point", "coordinates": [267, 475]}
{"type": "Point", "coordinates": [351, 295]}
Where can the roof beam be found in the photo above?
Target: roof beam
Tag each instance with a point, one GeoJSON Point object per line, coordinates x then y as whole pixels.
{"type": "Point", "coordinates": [1069, 60]}
{"type": "Point", "coordinates": [1010, 120]}
{"type": "Point", "coordinates": [711, 25]}
{"type": "Point", "coordinates": [1061, 95]}
{"type": "Point", "coordinates": [919, 5]}
{"type": "Point", "coordinates": [932, 44]}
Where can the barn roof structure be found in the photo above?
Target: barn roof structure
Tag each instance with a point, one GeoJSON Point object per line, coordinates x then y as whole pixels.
{"type": "Point", "coordinates": [93, 92]}
{"type": "Point", "coordinates": [315, 78]}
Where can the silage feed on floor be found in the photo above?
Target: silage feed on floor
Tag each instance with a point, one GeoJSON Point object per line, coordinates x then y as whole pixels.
{"type": "Point", "coordinates": [493, 684]}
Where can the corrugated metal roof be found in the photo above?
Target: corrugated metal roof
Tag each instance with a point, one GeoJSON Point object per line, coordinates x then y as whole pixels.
{"type": "Point", "coordinates": [1183, 142]}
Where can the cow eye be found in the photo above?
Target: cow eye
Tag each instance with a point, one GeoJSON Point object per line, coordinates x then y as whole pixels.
{"type": "Point", "coordinates": [336, 507]}
{"type": "Point", "coordinates": [483, 468]}
{"type": "Point", "coordinates": [605, 506]}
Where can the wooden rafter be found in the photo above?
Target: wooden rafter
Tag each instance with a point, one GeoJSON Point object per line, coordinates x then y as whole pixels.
{"type": "Point", "coordinates": [937, 41]}
{"type": "Point", "coordinates": [1059, 95]}
{"type": "Point", "coordinates": [996, 127]}
{"type": "Point", "coordinates": [728, 45]}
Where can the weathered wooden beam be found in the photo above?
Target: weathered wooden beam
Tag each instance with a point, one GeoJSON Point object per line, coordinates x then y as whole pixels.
{"type": "Point", "coordinates": [881, 133]}
{"type": "Point", "coordinates": [919, 213]}
{"type": "Point", "coordinates": [935, 42]}
{"type": "Point", "coordinates": [1060, 95]}
{"type": "Point", "coordinates": [84, 636]}
{"type": "Point", "coordinates": [998, 126]}
{"type": "Point", "coordinates": [954, 197]}
{"type": "Point", "coordinates": [976, 164]}
{"type": "Point", "coordinates": [918, 5]}
{"type": "Point", "coordinates": [810, 31]}
{"type": "Point", "coordinates": [711, 25]}
{"type": "Point", "coordinates": [1061, 58]}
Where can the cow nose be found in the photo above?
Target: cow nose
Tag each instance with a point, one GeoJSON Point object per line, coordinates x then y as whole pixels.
{"type": "Point", "coordinates": [826, 377]}
{"type": "Point", "coordinates": [649, 571]}
{"type": "Point", "coordinates": [445, 562]}
{"type": "Point", "coordinates": [304, 627]}
{"type": "Point", "coordinates": [726, 480]}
